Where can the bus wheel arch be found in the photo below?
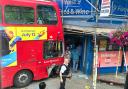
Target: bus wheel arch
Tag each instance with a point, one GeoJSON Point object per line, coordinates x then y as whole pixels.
{"type": "Point", "coordinates": [23, 78]}
{"type": "Point", "coordinates": [54, 71]}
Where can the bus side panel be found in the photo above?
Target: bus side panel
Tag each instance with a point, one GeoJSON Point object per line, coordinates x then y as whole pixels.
{"type": "Point", "coordinates": [29, 54]}
{"type": "Point", "coordinates": [7, 78]}
{"type": "Point", "coordinates": [9, 73]}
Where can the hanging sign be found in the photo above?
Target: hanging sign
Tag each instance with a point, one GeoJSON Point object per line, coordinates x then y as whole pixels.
{"type": "Point", "coordinates": [105, 8]}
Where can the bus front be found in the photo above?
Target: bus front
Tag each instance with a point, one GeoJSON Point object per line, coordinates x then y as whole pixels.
{"type": "Point", "coordinates": [29, 22]}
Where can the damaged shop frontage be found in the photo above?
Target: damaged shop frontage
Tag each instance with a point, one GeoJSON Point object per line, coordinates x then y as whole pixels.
{"type": "Point", "coordinates": [81, 28]}
{"type": "Point", "coordinates": [109, 55]}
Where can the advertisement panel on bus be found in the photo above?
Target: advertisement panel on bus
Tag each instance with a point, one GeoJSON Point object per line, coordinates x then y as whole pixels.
{"type": "Point", "coordinates": [14, 34]}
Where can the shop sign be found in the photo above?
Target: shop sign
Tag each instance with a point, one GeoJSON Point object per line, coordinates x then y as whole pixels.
{"type": "Point", "coordinates": [75, 7]}
{"type": "Point", "coordinates": [109, 59]}
{"type": "Point", "coordinates": [105, 8]}
{"type": "Point", "coordinates": [119, 7]}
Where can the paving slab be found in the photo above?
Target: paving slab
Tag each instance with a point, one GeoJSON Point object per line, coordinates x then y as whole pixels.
{"type": "Point", "coordinates": [112, 78]}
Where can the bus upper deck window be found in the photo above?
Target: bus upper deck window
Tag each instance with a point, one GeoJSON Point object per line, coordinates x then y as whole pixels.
{"type": "Point", "coordinates": [0, 14]}
{"type": "Point", "coordinates": [19, 15]}
{"type": "Point", "coordinates": [46, 15]}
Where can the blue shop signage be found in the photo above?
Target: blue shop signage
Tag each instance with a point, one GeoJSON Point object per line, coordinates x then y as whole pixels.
{"type": "Point", "coordinates": [119, 7]}
{"type": "Point", "coordinates": [75, 7]}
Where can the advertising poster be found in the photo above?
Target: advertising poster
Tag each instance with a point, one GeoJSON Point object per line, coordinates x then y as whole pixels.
{"type": "Point", "coordinates": [11, 35]}
{"type": "Point", "coordinates": [109, 59]}
{"type": "Point", "coordinates": [103, 45]}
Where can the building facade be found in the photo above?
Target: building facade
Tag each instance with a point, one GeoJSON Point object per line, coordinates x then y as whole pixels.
{"type": "Point", "coordinates": [82, 21]}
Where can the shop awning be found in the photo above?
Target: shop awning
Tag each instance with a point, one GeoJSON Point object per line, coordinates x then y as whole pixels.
{"type": "Point", "coordinates": [86, 30]}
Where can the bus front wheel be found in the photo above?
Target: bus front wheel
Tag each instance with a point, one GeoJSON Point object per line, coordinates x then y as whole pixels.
{"type": "Point", "coordinates": [23, 78]}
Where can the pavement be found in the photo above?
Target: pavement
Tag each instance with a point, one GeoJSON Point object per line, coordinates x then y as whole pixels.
{"type": "Point", "coordinates": [112, 78]}
{"type": "Point", "coordinates": [78, 81]}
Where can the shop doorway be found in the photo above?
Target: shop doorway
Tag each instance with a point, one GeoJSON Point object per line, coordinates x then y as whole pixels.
{"type": "Point", "coordinates": [75, 39]}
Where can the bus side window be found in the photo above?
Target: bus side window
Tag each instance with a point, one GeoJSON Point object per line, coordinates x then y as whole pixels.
{"type": "Point", "coordinates": [52, 49]}
{"type": "Point", "coordinates": [19, 15]}
{"type": "Point", "coordinates": [46, 15]}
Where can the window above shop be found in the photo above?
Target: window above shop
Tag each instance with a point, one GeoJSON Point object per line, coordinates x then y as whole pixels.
{"type": "Point", "coordinates": [105, 45]}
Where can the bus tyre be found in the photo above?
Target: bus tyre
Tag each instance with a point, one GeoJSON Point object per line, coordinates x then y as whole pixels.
{"type": "Point", "coordinates": [23, 78]}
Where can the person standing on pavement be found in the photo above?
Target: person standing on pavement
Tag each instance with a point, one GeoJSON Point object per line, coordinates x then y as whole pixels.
{"type": "Point", "coordinates": [68, 53]}
{"type": "Point", "coordinates": [75, 58]}
{"type": "Point", "coordinates": [64, 72]}
{"type": "Point", "coordinates": [79, 48]}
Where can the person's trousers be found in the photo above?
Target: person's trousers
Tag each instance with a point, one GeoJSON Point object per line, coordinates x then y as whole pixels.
{"type": "Point", "coordinates": [75, 65]}
{"type": "Point", "coordinates": [62, 84]}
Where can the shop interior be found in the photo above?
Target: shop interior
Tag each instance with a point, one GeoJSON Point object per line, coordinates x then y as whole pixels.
{"type": "Point", "coordinates": [73, 39]}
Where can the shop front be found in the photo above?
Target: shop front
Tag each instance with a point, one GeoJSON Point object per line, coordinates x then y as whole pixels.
{"type": "Point", "coordinates": [80, 36]}
{"type": "Point", "coordinates": [110, 56]}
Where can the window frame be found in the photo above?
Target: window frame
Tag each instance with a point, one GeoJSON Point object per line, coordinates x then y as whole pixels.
{"type": "Point", "coordinates": [61, 49]}
{"type": "Point", "coordinates": [23, 7]}
{"type": "Point", "coordinates": [107, 45]}
{"type": "Point", "coordinates": [47, 6]}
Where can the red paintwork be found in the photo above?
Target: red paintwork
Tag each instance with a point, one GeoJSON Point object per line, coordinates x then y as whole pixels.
{"type": "Point", "coordinates": [25, 49]}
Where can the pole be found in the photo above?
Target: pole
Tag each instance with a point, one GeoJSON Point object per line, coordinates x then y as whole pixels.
{"type": "Point", "coordinates": [95, 63]}
{"type": "Point", "coordinates": [95, 50]}
{"type": "Point", "coordinates": [118, 62]}
{"type": "Point", "coordinates": [125, 59]}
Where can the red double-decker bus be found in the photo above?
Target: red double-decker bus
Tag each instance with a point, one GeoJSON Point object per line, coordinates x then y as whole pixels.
{"type": "Point", "coordinates": [31, 40]}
